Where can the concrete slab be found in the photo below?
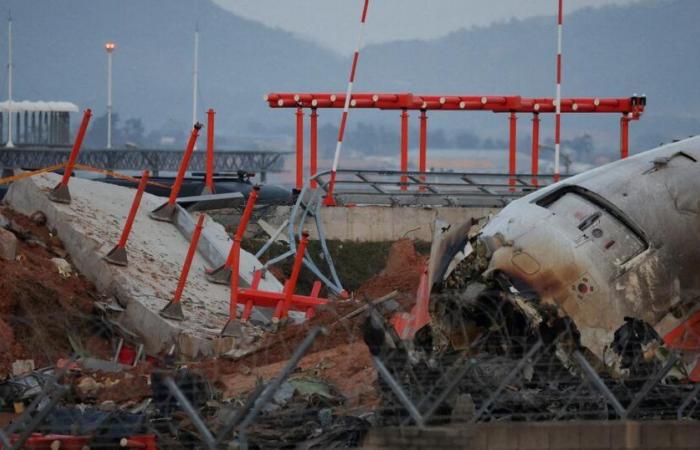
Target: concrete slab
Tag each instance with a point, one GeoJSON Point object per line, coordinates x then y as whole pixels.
{"type": "Point", "coordinates": [91, 225]}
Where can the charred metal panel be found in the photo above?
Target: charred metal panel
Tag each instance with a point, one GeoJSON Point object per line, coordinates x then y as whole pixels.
{"type": "Point", "coordinates": [622, 240]}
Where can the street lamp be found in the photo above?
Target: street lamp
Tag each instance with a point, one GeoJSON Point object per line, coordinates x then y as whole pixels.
{"type": "Point", "coordinates": [109, 46]}
{"type": "Point", "coordinates": [10, 111]}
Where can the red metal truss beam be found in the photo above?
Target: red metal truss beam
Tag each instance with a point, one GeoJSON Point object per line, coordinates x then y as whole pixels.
{"type": "Point", "coordinates": [634, 106]}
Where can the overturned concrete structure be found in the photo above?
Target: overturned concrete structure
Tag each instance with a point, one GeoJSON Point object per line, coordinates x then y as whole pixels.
{"type": "Point", "coordinates": [89, 228]}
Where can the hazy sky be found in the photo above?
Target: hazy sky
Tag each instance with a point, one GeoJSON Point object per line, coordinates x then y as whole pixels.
{"type": "Point", "coordinates": [334, 23]}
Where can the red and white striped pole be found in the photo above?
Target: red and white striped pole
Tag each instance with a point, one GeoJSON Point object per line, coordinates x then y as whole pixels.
{"type": "Point", "coordinates": [557, 124]}
{"type": "Point", "coordinates": [329, 201]}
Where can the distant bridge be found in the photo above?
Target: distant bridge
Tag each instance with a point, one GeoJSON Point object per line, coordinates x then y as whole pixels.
{"type": "Point", "coordinates": [154, 160]}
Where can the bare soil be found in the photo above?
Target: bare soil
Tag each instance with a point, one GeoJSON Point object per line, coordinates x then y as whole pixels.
{"type": "Point", "coordinates": [40, 310]}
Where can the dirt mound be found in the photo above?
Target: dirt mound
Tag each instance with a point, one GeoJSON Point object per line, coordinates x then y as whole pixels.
{"type": "Point", "coordinates": [402, 272]}
{"type": "Point", "coordinates": [43, 314]}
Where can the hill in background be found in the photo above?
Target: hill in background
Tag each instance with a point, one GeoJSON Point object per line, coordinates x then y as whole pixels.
{"type": "Point", "coordinates": [647, 47]}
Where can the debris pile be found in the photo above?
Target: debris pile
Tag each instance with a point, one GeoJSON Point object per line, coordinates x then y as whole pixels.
{"type": "Point", "coordinates": [509, 320]}
{"type": "Point", "coordinates": [51, 313]}
{"type": "Point", "coordinates": [514, 354]}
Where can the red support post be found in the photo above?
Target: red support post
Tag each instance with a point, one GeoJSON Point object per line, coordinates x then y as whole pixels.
{"type": "Point", "coordinates": [624, 136]}
{"type": "Point", "coordinates": [407, 324]}
{"type": "Point", "coordinates": [315, 291]}
{"type": "Point", "coordinates": [173, 310]}
{"type": "Point", "coordinates": [248, 309]}
{"type": "Point", "coordinates": [209, 182]}
{"type": "Point", "coordinates": [292, 282]}
{"type": "Point", "coordinates": [235, 274]}
{"type": "Point", "coordinates": [165, 212]}
{"type": "Point", "coordinates": [300, 148]}
{"type": "Point", "coordinates": [221, 274]}
{"type": "Point", "coordinates": [60, 193]}
{"type": "Point", "coordinates": [423, 156]}
{"type": "Point", "coordinates": [313, 157]}
{"type": "Point", "coordinates": [512, 161]}
{"type": "Point", "coordinates": [175, 190]}
{"type": "Point", "coordinates": [247, 213]}
{"type": "Point", "coordinates": [404, 148]}
{"type": "Point", "coordinates": [118, 254]}
{"type": "Point", "coordinates": [535, 148]}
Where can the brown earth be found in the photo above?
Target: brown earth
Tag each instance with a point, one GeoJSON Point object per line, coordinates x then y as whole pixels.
{"type": "Point", "coordinates": [347, 367]}
{"type": "Point", "coordinates": [341, 356]}
{"type": "Point", "coordinates": [40, 310]}
{"type": "Point", "coordinates": [402, 272]}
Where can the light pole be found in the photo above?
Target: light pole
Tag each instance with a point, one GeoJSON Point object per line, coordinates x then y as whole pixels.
{"type": "Point", "coordinates": [10, 110]}
{"type": "Point", "coordinates": [195, 77]}
{"type": "Point", "coordinates": [109, 46]}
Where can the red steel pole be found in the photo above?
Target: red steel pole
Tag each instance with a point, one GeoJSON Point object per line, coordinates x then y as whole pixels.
{"type": "Point", "coordinates": [209, 182]}
{"type": "Point", "coordinates": [76, 146]}
{"type": "Point", "coordinates": [300, 148]}
{"type": "Point", "coordinates": [60, 193]}
{"type": "Point", "coordinates": [188, 259]}
{"type": "Point", "coordinates": [535, 147]}
{"type": "Point", "coordinates": [292, 283]}
{"type": "Point", "coordinates": [513, 150]}
{"type": "Point", "coordinates": [404, 148]}
{"type": "Point", "coordinates": [624, 136]}
{"type": "Point", "coordinates": [235, 273]}
{"type": "Point", "coordinates": [118, 254]}
{"type": "Point", "coordinates": [423, 156]}
{"type": "Point", "coordinates": [313, 157]}
{"type": "Point", "coordinates": [243, 224]}
{"type": "Point", "coordinates": [175, 190]}
{"type": "Point", "coordinates": [134, 209]}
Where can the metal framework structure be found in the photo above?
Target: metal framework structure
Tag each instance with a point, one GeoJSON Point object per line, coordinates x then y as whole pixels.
{"type": "Point", "coordinates": [154, 160]}
{"type": "Point", "coordinates": [423, 188]}
{"type": "Point", "coordinates": [630, 108]}
{"type": "Point", "coordinates": [397, 188]}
